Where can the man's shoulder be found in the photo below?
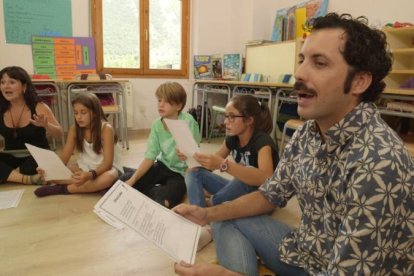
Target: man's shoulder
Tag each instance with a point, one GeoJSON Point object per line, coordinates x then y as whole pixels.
{"type": "Point", "coordinates": [377, 141]}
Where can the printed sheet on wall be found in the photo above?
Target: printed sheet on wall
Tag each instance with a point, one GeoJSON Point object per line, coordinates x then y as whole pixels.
{"type": "Point", "coordinates": [63, 57]}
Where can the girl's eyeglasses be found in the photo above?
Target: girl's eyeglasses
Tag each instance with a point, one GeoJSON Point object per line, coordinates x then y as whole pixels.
{"type": "Point", "coordinates": [231, 117]}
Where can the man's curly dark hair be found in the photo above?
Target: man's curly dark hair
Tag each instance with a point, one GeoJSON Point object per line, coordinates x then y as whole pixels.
{"type": "Point", "coordinates": [366, 50]}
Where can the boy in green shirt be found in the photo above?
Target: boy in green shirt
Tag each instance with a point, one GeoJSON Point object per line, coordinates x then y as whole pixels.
{"type": "Point", "coordinates": [160, 175]}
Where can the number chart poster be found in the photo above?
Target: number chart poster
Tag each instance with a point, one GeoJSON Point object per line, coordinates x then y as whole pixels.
{"type": "Point", "coordinates": [63, 57]}
{"type": "Point", "coordinates": [24, 18]}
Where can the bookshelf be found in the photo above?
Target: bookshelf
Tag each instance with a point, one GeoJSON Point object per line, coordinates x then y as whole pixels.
{"type": "Point", "coordinates": [401, 41]}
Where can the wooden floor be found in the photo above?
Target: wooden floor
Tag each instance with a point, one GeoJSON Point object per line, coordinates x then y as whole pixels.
{"type": "Point", "coordinates": [60, 235]}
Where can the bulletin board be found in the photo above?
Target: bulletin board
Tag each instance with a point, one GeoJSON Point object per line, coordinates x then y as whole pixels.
{"type": "Point", "coordinates": [24, 18]}
{"type": "Point", "coordinates": [63, 57]}
{"type": "Point", "coordinates": [272, 60]}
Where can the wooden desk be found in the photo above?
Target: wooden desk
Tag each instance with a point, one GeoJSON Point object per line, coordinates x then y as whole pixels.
{"type": "Point", "coordinates": [114, 87]}
{"type": "Point", "coordinates": [394, 94]}
{"type": "Point", "coordinates": [49, 88]}
{"type": "Point", "coordinates": [400, 95]}
{"type": "Point", "coordinates": [207, 89]}
{"type": "Point", "coordinates": [60, 235]}
{"type": "Point", "coordinates": [64, 88]}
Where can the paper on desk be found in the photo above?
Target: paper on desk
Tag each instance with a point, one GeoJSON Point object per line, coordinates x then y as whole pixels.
{"type": "Point", "coordinates": [184, 139]}
{"type": "Point", "coordinates": [50, 163]}
{"type": "Point", "coordinates": [10, 199]}
{"type": "Point", "coordinates": [175, 235]}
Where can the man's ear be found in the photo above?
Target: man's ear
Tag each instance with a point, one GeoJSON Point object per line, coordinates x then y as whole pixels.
{"type": "Point", "coordinates": [361, 82]}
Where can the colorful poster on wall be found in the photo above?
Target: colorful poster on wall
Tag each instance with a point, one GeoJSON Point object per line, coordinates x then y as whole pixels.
{"type": "Point", "coordinates": [24, 18]}
{"type": "Point", "coordinates": [63, 57]}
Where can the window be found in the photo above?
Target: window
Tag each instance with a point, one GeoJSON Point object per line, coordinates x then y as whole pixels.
{"type": "Point", "coordinates": [142, 37]}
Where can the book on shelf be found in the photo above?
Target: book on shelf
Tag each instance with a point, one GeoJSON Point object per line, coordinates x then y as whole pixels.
{"type": "Point", "coordinates": [202, 67]}
{"type": "Point", "coordinates": [290, 22]}
{"type": "Point", "coordinates": [217, 66]}
{"type": "Point", "coordinates": [251, 77]}
{"type": "Point", "coordinates": [300, 14]}
{"type": "Point", "coordinates": [278, 25]}
{"type": "Point", "coordinates": [316, 8]}
{"type": "Point", "coordinates": [232, 66]}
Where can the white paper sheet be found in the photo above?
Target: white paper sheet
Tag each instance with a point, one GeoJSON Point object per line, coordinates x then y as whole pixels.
{"type": "Point", "coordinates": [114, 222]}
{"type": "Point", "coordinates": [175, 235]}
{"type": "Point", "coordinates": [10, 199]}
{"type": "Point", "coordinates": [184, 139]}
{"type": "Point", "coordinates": [50, 163]}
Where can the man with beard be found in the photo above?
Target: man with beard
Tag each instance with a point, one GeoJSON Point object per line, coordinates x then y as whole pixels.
{"type": "Point", "coordinates": [350, 171]}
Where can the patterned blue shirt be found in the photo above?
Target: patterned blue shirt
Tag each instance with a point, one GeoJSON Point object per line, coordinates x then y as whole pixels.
{"type": "Point", "coordinates": [356, 195]}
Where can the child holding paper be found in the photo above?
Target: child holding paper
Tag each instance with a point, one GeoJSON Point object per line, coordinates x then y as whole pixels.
{"type": "Point", "coordinates": [254, 158]}
{"type": "Point", "coordinates": [160, 175]}
{"type": "Point", "coordinates": [98, 164]}
{"type": "Point", "coordinates": [254, 155]}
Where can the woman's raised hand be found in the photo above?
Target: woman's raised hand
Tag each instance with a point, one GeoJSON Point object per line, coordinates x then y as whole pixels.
{"type": "Point", "coordinates": [40, 120]}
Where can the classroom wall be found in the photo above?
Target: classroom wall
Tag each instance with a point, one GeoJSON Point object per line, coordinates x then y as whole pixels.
{"type": "Point", "coordinates": [217, 27]}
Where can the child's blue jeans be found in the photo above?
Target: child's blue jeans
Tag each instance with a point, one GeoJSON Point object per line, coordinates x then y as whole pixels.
{"type": "Point", "coordinates": [221, 189]}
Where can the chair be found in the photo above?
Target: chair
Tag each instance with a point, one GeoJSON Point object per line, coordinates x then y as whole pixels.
{"type": "Point", "coordinates": [216, 111]}
{"type": "Point", "coordinates": [50, 94]}
{"type": "Point", "coordinates": [289, 124]}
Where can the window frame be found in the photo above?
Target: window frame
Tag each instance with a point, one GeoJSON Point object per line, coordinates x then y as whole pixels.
{"type": "Point", "coordinates": [144, 70]}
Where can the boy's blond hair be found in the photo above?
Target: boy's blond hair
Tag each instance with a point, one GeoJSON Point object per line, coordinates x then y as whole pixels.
{"type": "Point", "coordinates": [172, 92]}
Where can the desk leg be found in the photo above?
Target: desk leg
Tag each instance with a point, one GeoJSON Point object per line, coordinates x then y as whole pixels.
{"type": "Point", "coordinates": [203, 97]}
{"type": "Point", "coordinates": [275, 114]}
{"type": "Point", "coordinates": [69, 106]}
{"type": "Point", "coordinates": [124, 119]}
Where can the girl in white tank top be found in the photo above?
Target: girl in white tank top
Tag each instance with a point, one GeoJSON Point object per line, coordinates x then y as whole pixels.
{"type": "Point", "coordinates": [98, 161]}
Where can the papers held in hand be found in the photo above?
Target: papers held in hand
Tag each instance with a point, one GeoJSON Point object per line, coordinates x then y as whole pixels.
{"type": "Point", "coordinates": [175, 235]}
{"type": "Point", "coordinates": [184, 139]}
{"type": "Point", "coordinates": [50, 163]}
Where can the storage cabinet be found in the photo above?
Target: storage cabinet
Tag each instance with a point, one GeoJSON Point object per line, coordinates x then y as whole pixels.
{"type": "Point", "coordinates": [401, 41]}
{"type": "Point", "coordinates": [398, 102]}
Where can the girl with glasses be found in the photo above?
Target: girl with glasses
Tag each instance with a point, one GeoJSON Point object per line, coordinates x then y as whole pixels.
{"type": "Point", "coordinates": [248, 154]}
